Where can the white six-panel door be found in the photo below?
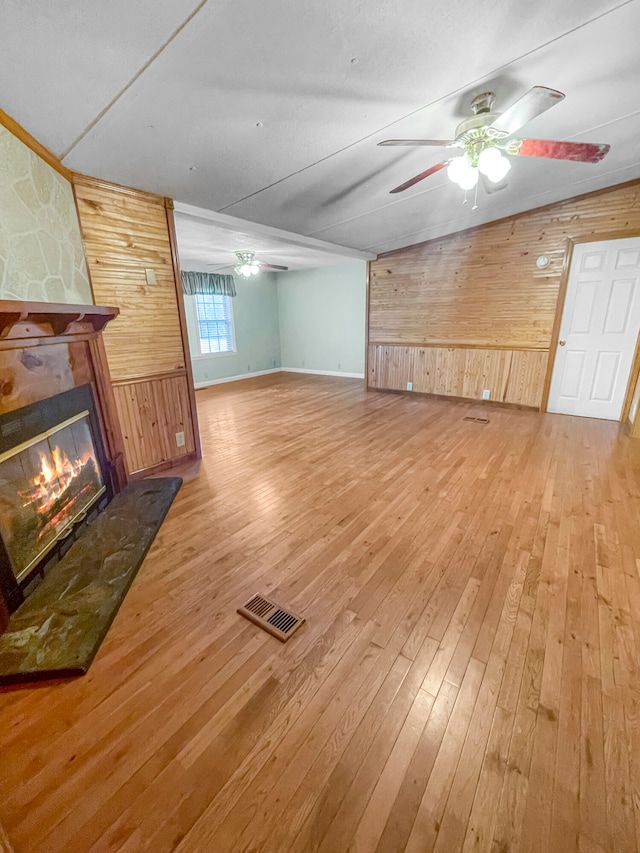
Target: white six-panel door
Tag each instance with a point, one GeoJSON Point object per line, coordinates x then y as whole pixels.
{"type": "Point", "coordinates": [599, 330]}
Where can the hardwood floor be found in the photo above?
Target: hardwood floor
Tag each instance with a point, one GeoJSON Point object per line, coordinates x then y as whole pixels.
{"type": "Point", "coordinates": [466, 680]}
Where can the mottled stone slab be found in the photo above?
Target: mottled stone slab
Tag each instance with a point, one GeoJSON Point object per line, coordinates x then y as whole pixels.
{"type": "Point", "coordinates": [59, 628]}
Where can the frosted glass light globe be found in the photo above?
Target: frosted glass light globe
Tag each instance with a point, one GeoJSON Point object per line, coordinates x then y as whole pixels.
{"type": "Point", "coordinates": [492, 164]}
{"type": "Point", "coordinates": [462, 173]}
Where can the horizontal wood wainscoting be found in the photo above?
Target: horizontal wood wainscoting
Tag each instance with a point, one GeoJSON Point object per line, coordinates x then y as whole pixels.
{"type": "Point", "coordinates": [513, 376]}
{"type": "Point", "coordinates": [471, 311]}
{"type": "Point", "coordinates": [128, 233]}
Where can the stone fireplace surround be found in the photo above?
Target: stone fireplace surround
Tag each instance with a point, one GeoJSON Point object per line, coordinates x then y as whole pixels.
{"type": "Point", "coordinates": [47, 349]}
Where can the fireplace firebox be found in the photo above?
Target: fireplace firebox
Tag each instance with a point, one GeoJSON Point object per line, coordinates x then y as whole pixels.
{"type": "Point", "coordinates": [52, 481]}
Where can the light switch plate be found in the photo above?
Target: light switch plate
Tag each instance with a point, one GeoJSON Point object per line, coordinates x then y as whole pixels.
{"type": "Point", "coordinates": [150, 275]}
{"type": "Point", "coordinates": [179, 439]}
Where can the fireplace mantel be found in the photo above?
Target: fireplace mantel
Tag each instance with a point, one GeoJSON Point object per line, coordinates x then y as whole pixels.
{"type": "Point", "coordinates": [45, 319]}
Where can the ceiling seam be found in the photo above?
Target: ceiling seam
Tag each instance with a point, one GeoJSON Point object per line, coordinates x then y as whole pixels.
{"type": "Point", "coordinates": [430, 104]}
{"type": "Point", "coordinates": [135, 77]}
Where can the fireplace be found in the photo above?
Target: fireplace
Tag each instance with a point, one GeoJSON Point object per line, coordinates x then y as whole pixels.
{"type": "Point", "coordinates": [51, 481]}
{"type": "Point", "coordinates": [61, 454]}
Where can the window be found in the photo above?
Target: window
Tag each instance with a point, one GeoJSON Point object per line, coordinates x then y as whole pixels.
{"type": "Point", "coordinates": [214, 319]}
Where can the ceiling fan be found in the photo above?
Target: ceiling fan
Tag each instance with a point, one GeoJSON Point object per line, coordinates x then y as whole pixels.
{"type": "Point", "coordinates": [485, 135]}
{"type": "Point", "coordinates": [247, 266]}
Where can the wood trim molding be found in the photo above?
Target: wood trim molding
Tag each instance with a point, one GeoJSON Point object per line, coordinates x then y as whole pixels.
{"type": "Point", "coordinates": [366, 328]}
{"type": "Point", "coordinates": [167, 465]}
{"type": "Point", "coordinates": [450, 346]}
{"type": "Point", "coordinates": [148, 377]}
{"type": "Point", "coordinates": [59, 316]}
{"type": "Point", "coordinates": [555, 331]}
{"type": "Point", "coordinates": [98, 183]}
{"type": "Point", "coordinates": [112, 437]}
{"type": "Point", "coordinates": [502, 404]}
{"type": "Point", "coordinates": [634, 374]}
{"type": "Point", "coordinates": [175, 260]}
{"type": "Point", "coordinates": [37, 147]}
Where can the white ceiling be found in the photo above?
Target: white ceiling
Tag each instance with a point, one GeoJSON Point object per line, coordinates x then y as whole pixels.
{"type": "Point", "coordinates": [139, 93]}
{"type": "Point", "coordinates": [207, 242]}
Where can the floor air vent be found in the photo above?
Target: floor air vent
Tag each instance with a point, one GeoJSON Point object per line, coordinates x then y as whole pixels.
{"type": "Point", "coordinates": [270, 616]}
{"type": "Point", "coordinates": [477, 420]}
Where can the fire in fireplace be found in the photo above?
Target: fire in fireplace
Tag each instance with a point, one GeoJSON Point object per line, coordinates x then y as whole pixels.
{"type": "Point", "coordinates": [47, 485]}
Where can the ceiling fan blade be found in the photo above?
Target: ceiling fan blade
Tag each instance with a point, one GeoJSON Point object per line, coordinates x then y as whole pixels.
{"type": "Point", "coordinates": [440, 143]}
{"type": "Point", "coordinates": [490, 187]}
{"type": "Point", "coordinates": [419, 178]}
{"type": "Point", "coordinates": [536, 101]}
{"type": "Point", "coordinates": [273, 266]}
{"type": "Point", "coordinates": [581, 152]}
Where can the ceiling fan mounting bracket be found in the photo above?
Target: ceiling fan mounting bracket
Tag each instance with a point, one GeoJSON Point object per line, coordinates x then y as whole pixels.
{"type": "Point", "coordinates": [483, 103]}
{"type": "Point", "coordinates": [483, 120]}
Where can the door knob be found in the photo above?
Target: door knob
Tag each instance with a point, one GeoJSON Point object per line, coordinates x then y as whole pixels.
{"type": "Point", "coordinates": [561, 343]}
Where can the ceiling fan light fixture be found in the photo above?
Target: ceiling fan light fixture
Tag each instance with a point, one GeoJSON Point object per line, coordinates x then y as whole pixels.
{"type": "Point", "coordinates": [245, 270]}
{"type": "Point", "coordinates": [493, 165]}
{"type": "Point", "coordinates": [246, 266]}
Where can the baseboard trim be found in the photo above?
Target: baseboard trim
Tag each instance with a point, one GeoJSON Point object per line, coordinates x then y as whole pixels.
{"type": "Point", "coordinates": [208, 382]}
{"type": "Point", "coordinates": [165, 465]}
{"type": "Point", "coordinates": [323, 372]}
{"type": "Point", "coordinates": [452, 399]}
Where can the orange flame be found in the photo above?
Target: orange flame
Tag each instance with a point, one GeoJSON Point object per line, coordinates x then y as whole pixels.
{"type": "Point", "coordinates": [53, 479]}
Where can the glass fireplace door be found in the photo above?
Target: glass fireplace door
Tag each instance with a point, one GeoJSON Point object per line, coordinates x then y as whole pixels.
{"type": "Point", "coordinates": [46, 485]}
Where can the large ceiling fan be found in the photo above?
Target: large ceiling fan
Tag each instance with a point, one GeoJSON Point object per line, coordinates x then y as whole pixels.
{"type": "Point", "coordinates": [246, 266]}
{"type": "Point", "coordinates": [483, 137]}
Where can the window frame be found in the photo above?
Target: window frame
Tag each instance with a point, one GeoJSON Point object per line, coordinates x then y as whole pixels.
{"type": "Point", "coordinates": [196, 323]}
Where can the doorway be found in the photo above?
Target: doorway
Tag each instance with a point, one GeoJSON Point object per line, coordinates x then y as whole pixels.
{"type": "Point", "coordinates": [598, 331]}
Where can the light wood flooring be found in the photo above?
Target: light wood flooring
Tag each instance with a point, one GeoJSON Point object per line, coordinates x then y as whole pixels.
{"type": "Point", "coordinates": [467, 679]}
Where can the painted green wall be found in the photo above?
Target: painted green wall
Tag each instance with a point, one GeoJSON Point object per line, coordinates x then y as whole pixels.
{"type": "Point", "coordinates": [322, 318]}
{"type": "Point", "coordinates": [41, 251]}
{"type": "Point", "coordinates": [255, 315]}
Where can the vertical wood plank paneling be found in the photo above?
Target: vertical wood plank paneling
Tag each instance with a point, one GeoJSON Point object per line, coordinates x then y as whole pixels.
{"type": "Point", "coordinates": [479, 292]}
{"type": "Point", "coordinates": [127, 232]}
{"type": "Point", "coordinates": [512, 376]}
{"type": "Point", "coordinates": [151, 413]}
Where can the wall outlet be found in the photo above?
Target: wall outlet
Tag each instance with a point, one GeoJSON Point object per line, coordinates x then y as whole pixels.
{"type": "Point", "coordinates": [486, 394]}
{"type": "Point", "coordinates": [409, 386]}
{"type": "Point", "coordinates": [179, 439]}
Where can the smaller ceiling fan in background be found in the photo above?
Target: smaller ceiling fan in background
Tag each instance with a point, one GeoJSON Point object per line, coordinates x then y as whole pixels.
{"type": "Point", "coordinates": [246, 266]}
{"type": "Point", "coordinates": [485, 135]}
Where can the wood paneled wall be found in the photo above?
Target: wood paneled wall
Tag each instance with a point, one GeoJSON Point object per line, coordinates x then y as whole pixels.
{"type": "Point", "coordinates": [481, 290]}
{"type": "Point", "coordinates": [127, 232]}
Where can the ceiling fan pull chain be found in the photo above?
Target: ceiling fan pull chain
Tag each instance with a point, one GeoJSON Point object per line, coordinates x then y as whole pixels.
{"type": "Point", "coordinates": [465, 197]}
{"type": "Point", "coordinates": [475, 201]}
